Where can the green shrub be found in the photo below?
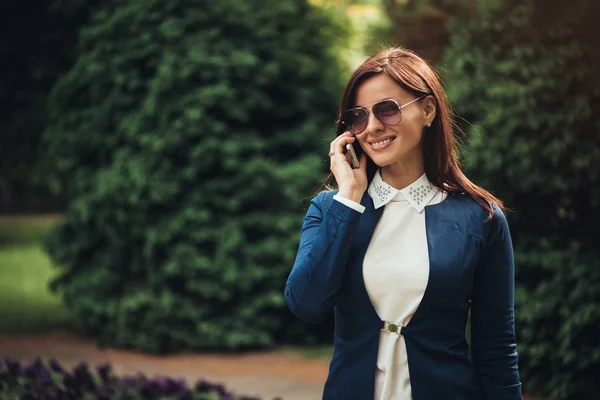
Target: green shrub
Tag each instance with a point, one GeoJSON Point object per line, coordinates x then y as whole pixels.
{"type": "Point", "coordinates": [192, 135]}
{"type": "Point", "coordinates": [531, 93]}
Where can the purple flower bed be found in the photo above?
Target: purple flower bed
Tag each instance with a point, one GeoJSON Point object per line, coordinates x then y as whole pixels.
{"type": "Point", "coordinates": [39, 380]}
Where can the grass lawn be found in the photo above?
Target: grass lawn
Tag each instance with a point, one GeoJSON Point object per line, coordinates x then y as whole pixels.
{"type": "Point", "coordinates": [26, 303]}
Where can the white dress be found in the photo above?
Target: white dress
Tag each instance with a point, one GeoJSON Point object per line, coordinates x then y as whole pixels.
{"type": "Point", "coordinates": [396, 271]}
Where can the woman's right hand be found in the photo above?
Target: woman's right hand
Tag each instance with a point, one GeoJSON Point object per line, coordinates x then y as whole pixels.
{"type": "Point", "coordinates": [352, 182]}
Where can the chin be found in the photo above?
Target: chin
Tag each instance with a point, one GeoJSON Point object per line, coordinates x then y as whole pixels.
{"type": "Point", "coordinates": [387, 156]}
{"type": "Point", "coordinates": [382, 161]}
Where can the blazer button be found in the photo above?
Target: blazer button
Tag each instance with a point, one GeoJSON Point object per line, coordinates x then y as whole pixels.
{"type": "Point", "coordinates": [393, 328]}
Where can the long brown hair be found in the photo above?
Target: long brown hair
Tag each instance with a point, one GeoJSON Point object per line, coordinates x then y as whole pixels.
{"type": "Point", "coordinates": [440, 143]}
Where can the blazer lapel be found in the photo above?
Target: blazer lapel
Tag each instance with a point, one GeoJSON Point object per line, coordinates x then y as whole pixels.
{"type": "Point", "coordinates": [445, 243]}
{"type": "Point", "coordinates": [368, 222]}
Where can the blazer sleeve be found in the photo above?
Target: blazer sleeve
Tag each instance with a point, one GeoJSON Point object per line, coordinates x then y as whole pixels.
{"type": "Point", "coordinates": [320, 266]}
{"type": "Point", "coordinates": [493, 341]}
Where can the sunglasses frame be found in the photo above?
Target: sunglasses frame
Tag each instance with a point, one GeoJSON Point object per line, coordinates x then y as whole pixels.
{"type": "Point", "coordinates": [364, 108]}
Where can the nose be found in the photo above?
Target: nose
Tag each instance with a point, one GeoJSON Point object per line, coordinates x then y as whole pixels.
{"type": "Point", "coordinates": [373, 124]}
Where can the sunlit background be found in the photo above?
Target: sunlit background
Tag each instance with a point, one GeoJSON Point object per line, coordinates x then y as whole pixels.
{"type": "Point", "coordinates": [157, 158]}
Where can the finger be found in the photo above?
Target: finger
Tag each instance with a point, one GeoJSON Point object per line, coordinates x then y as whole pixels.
{"type": "Point", "coordinates": [333, 144]}
{"type": "Point", "coordinates": [342, 142]}
{"type": "Point", "coordinates": [342, 153]}
{"type": "Point", "coordinates": [343, 135]}
{"type": "Point", "coordinates": [338, 146]}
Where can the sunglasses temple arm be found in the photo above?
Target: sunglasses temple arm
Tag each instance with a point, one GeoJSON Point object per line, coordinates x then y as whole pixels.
{"type": "Point", "coordinates": [410, 102]}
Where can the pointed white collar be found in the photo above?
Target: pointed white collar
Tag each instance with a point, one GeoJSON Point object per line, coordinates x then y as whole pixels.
{"type": "Point", "coordinates": [418, 194]}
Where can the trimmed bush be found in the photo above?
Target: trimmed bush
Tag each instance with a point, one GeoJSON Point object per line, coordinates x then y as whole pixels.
{"type": "Point", "coordinates": [192, 136]}
{"type": "Point", "coordinates": [531, 92]}
{"type": "Point", "coordinates": [50, 380]}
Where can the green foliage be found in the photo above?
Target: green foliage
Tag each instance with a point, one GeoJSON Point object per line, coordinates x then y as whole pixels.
{"type": "Point", "coordinates": [191, 135]}
{"type": "Point", "coordinates": [531, 93]}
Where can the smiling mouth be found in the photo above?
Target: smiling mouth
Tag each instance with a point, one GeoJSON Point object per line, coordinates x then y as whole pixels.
{"type": "Point", "coordinates": [382, 143]}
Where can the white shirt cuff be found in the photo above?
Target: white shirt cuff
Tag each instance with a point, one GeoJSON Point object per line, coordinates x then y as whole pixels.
{"type": "Point", "coordinates": [352, 204]}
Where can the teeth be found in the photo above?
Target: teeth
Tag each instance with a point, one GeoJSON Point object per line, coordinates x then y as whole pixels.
{"type": "Point", "coordinates": [383, 142]}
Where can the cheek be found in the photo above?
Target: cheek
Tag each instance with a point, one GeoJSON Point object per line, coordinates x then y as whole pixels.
{"type": "Point", "coordinates": [412, 129]}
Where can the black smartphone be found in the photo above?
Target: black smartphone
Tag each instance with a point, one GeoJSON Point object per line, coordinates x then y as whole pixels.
{"type": "Point", "coordinates": [353, 157]}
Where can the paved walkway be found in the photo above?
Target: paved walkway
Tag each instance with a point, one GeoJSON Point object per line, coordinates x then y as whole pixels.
{"type": "Point", "coordinates": [267, 375]}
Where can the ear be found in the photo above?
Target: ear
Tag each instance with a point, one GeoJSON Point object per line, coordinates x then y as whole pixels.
{"type": "Point", "coordinates": [430, 109]}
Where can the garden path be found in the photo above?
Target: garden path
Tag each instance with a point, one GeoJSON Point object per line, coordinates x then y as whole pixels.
{"type": "Point", "coordinates": [265, 374]}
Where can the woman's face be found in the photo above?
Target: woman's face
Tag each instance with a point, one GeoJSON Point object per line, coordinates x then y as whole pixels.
{"type": "Point", "coordinates": [402, 143]}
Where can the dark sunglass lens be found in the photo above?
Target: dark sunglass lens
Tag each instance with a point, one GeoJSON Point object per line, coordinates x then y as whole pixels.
{"type": "Point", "coordinates": [355, 120]}
{"type": "Point", "coordinates": [387, 112]}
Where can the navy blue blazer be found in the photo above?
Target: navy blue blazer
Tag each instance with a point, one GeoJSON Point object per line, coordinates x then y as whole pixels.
{"type": "Point", "coordinates": [471, 267]}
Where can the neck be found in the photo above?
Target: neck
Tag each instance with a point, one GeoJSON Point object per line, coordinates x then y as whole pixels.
{"type": "Point", "coordinates": [399, 175]}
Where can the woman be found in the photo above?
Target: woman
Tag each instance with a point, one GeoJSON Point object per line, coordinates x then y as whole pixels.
{"type": "Point", "coordinates": [404, 248]}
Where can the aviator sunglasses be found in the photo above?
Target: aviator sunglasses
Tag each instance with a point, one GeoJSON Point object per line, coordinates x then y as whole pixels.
{"type": "Point", "coordinates": [388, 111]}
